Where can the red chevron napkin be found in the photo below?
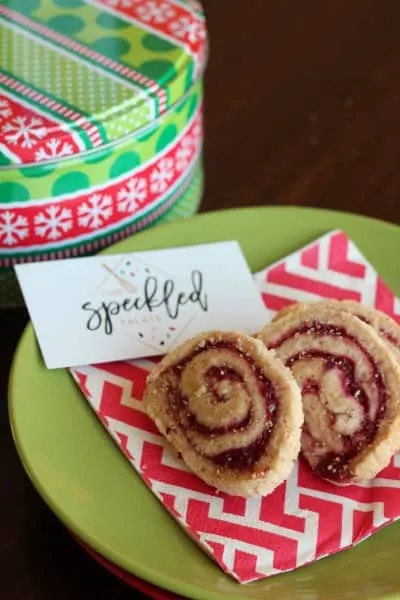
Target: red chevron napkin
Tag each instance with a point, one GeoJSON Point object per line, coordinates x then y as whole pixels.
{"type": "Point", "coordinates": [305, 518]}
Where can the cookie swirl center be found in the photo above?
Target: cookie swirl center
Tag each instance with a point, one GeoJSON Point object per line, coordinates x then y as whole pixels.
{"type": "Point", "coordinates": [223, 404]}
{"type": "Point", "coordinates": [344, 396]}
{"type": "Point", "coordinates": [218, 388]}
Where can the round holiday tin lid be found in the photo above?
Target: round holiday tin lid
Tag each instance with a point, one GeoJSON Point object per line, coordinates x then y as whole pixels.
{"type": "Point", "coordinates": [76, 75]}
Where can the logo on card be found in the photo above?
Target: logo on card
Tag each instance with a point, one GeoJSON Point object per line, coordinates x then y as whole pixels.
{"type": "Point", "coordinates": [144, 301]}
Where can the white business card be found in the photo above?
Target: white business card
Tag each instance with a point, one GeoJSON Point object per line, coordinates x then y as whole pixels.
{"type": "Point", "coordinates": [119, 307]}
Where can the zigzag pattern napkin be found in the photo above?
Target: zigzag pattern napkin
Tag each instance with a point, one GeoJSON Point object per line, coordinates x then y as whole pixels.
{"type": "Point", "coordinates": [305, 518]}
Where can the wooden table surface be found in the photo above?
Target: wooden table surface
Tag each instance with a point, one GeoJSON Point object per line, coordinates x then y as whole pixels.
{"type": "Point", "coordinates": [302, 107]}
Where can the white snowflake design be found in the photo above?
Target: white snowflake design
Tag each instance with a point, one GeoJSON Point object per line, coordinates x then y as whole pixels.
{"type": "Point", "coordinates": [13, 228]}
{"type": "Point", "coordinates": [186, 27]}
{"type": "Point", "coordinates": [5, 109]}
{"type": "Point", "coordinates": [95, 212]}
{"type": "Point", "coordinates": [184, 154]}
{"type": "Point", "coordinates": [197, 130]}
{"type": "Point", "coordinates": [158, 12]}
{"type": "Point", "coordinates": [25, 131]}
{"type": "Point", "coordinates": [54, 148]}
{"type": "Point", "coordinates": [132, 195]}
{"type": "Point", "coordinates": [53, 222]}
{"type": "Point", "coordinates": [162, 175]}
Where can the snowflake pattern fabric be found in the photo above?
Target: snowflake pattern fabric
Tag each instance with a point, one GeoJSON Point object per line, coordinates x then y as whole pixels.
{"type": "Point", "coordinates": [162, 175]}
{"type": "Point", "coordinates": [54, 148]}
{"type": "Point", "coordinates": [187, 27]}
{"type": "Point", "coordinates": [53, 222]}
{"type": "Point", "coordinates": [24, 131]}
{"type": "Point", "coordinates": [96, 211]}
{"type": "Point", "coordinates": [28, 136]}
{"type": "Point", "coordinates": [13, 228]}
{"type": "Point", "coordinates": [132, 196]}
{"type": "Point", "coordinates": [5, 109]}
{"type": "Point", "coordinates": [158, 12]}
{"type": "Point", "coordinates": [184, 153]}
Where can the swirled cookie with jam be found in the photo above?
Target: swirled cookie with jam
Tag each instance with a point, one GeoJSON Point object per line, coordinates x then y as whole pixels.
{"type": "Point", "coordinates": [385, 326]}
{"type": "Point", "coordinates": [231, 409]}
{"type": "Point", "coordinates": [350, 385]}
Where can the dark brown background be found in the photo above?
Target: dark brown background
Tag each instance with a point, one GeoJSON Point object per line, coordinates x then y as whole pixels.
{"type": "Point", "coordinates": [302, 107]}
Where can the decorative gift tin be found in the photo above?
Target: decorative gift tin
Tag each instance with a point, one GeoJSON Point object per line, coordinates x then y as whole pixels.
{"type": "Point", "coordinates": [100, 123]}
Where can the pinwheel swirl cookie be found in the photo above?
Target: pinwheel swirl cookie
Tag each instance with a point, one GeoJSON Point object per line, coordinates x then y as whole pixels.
{"type": "Point", "coordinates": [350, 384]}
{"type": "Point", "coordinates": [384, 325]}
{"type": "Point", "coordinates": [231, 409]}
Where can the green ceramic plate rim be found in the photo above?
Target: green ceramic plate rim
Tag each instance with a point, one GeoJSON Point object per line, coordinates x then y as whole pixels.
{"type": "Point", "coordinates": [146, 573]}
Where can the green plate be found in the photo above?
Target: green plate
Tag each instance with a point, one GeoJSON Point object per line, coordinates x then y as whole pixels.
{"type": "Point", "coordinates": [87, 482]}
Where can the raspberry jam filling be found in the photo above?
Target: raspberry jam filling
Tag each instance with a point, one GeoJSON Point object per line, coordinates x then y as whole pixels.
{"type": "Point", "coordinates": [336, 466]}
{"type": "Point", "coordinates": [243, 458]}
{"type": "Point", "coordinates": [388, 336]}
